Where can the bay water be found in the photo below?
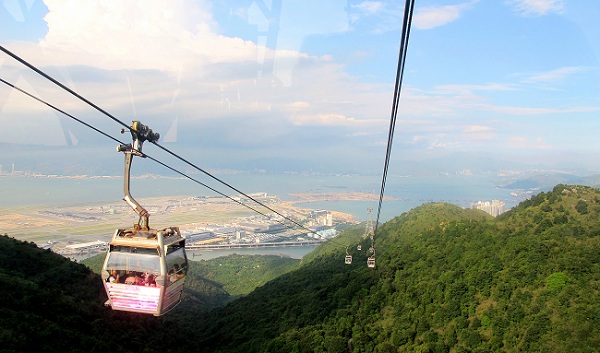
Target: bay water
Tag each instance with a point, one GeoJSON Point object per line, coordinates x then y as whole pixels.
{"type": "Point", "coordinates": [406, 192]}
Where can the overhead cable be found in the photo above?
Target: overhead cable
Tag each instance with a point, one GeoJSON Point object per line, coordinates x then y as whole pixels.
{"type": "Point", "coordinates": [43, 74]}
{"type": "Point", "coordinates": [48, 77]}
{"type": "Point", "coordinates": [145, 155]}
{"type": "Point", "coordinates": [142, 154]}
{"type": "Point", "coordinates": [406, 24]}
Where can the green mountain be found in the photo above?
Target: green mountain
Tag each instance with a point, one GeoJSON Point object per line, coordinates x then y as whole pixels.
{"type": "Point", "coordinates": [547, 181]}
{"type": "Point", "coordinates": [50, 304]}
{"type": "Point", "coordinates": [447, 280]}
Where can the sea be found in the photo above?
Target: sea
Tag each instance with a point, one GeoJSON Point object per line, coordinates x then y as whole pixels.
{"type": "Point", "coordinates": [406, 192]}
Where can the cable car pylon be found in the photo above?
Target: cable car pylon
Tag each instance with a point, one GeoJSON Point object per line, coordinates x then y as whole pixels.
{"type": "Point", "coordinates": [144, 269]}
{"type": "Point", "coordinates": [369, 226]}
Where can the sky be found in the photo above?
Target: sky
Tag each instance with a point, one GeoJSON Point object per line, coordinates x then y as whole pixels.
{"type": "Point", "coordinates": [290, 85]}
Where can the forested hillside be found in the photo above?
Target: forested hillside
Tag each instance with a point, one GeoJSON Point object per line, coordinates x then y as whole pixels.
{"type": "Point", "coordinates": [447, 280]}
{"type": "Point", "coordinates": [50, 304]}
{"type": "Point", "coordinates": [213, 283]}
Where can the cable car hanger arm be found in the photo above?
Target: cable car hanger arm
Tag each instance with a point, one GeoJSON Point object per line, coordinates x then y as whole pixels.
{"type": "Point", "coordinates": [139, 134]}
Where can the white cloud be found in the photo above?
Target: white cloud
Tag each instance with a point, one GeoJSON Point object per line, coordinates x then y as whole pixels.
{"type": "Point", "coordinates": [479, 132]}
{"type": "Point", "coordinates": [324, 120]}
{"type": "Point", "coordinates": [476, 129]}
{"type": "Point", "coordinates": [537, 7]}
{"type": "Point", "coordinates": [442, 101]}
{"type": "Point", "coordinates": [516, 110]}
{"type": "Point", "coordinates": [470, 88]}
{"type": "Point", "coordinates": [356, 12]}
{"type": "Point", "coordinates": [299, 104]}
{"type": "Point", "coordinates": [436, 16]}
{"type": "Point", "coordinates": [451, 100]}
{"type": "Point", "coordinates": [440, 143]}
{"type": "Point", "coordinates": [166, 56]}
{"type": "Point", "coordinates": [520, 142]}
{"type": "Point", "coordinates": [198, 87]}
{"type": "Point", "coordinates": [154, 35]}
{"type": "Point", "coordinates": [369, 7]}
{"type": "Point", "coordinates": [556, 75]}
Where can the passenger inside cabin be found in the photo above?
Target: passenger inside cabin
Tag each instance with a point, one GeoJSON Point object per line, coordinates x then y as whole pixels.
{"type": "Point", "coordinates": [150, 280]}
{"type": "Point", "coordinates": [114, 276]}
{"type": "Point", "coordinates": [133, 278]}
{"type": "Point", "coordinates": [176, 273]}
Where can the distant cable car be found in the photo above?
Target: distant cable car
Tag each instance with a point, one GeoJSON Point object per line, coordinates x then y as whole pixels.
{"type": "Point", "coordinates": [359, 247]}
{"type": "Point", "coordinates": [371, 259]}
{"type": "Point", "coordinates": [348, 258]}
{"type": "Point", "coordinates": [144, 269]}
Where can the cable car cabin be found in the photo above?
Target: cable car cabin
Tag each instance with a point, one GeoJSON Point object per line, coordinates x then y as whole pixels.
{"type": "Point", "coordinates": [348, 259]}
{"type": "Point", "coordinates": [145, 271]}
{"type": "Point", "coordinates": [359, 247]}
{"type": "Point", "coordinates": [371, 262]}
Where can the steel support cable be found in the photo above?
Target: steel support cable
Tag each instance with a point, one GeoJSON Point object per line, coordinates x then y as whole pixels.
{"type": "Point", "coordinates": [214, 190]}
{"type": "Point", "coordinates": [60, 111]}
{"type": "Point", "coordinates": [224, 183]}
{"type": "Point", "coordinates": [56, 82]}
{"type": "Point", "coordinates": [43, 74]}
{"type": "Point", "coordinates": [48, 77]}
{"type": "Point", "coordinates": [145, 155]}
{"type": "Point", "coordinates": [406, 24]}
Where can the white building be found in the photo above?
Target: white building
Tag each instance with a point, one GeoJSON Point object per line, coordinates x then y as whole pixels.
{"type": "Point", "coordinates": [495, 207]}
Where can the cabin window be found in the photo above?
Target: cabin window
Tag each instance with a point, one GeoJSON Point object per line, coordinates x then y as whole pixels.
{"type": "Point", "coordinates": [175, 247]}
{"type": "Point", "coordinates": [176, 263]}
{"type": "Point", "coordinates": [123, 261]}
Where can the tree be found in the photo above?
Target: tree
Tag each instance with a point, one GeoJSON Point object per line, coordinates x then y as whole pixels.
{"type": "Point", "coordinates": [581, 207]}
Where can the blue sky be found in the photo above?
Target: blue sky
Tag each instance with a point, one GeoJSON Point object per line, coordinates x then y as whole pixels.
{"type": "Point", "coordinates": [307, 85]}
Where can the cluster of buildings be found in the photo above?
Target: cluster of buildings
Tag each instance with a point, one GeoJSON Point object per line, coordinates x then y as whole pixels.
{"type": "Point", "coordinates": [246, 231]}
{"type": "Point", "coordinates": [495, 207]}
{"type": "Point", "coordinates": [253, 230]}
{"type": "Point", "coordinates": [320, 218]}
{"type": "Point", "coordinates": [80, 248]}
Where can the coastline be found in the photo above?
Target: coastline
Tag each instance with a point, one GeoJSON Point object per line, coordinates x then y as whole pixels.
{"type": "Point", "coordinates": [97, 221]}
{"type": "Point", "coordinates": [82, 209]}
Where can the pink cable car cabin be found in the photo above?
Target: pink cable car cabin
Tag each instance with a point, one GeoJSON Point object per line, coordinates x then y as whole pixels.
{"type": "Point", "coordinates": [144, 269]}
{"type": "Point", "coordinates": [145, 272]}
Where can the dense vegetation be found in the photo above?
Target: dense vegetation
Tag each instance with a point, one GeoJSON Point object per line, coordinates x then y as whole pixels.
{"type": "Point", "coordinates": [215, 282]}
{"type": "Point", "coordinates": [52, 304]}
{"type": "Point", "coordinates": [447, 280]}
